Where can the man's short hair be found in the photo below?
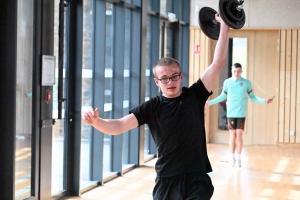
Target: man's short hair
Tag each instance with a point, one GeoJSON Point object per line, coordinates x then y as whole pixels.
{"type": "Point", "coordinates": [164, 62]}
{"type": "Point", "coordinates": [237, 65]}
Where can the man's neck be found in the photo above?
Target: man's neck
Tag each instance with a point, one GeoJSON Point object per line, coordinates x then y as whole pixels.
{"type": "Point", "coordinates": [234, 78]}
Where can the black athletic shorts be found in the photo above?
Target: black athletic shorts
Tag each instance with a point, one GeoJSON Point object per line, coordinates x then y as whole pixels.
{"type": "Point", "coordinates": [190, 186]}
{"type": "Point", "coordinates": [236, 123]}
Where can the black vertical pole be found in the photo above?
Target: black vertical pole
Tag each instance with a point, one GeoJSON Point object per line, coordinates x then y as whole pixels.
{"type": "Point", "coordinates": [8, 60]}
{"type": "Point", "coordinates": [230, 48]}
{"type": "Point", "coordinates": [61, 34]}
{"type": "Point", "coordinates": [74, 88]}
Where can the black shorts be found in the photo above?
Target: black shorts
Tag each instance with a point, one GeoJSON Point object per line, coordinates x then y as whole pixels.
{"type": "Point", "coordinates": [236, 123]}
{"type": "Point", "coordinates": [193, 186]}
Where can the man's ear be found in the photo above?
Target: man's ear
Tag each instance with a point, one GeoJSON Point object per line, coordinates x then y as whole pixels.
{"type": "Point", "coordinates": [156, 81]}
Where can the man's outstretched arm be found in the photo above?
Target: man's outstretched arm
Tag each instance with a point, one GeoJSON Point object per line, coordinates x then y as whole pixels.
{"type": "Point", "coordinates": [257, 99]}
{"type": "Point", "coordinates": [218, 99]}
{"type": "Point", "coordinates": [109, 126]}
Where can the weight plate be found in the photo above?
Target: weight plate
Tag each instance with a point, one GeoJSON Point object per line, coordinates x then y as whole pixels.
{"type": "Point", "coordinates": [207, 23]}
{"type": "Point", "coordinates": [230, 15]}
{"type": "Point", "coordinates": [232, 12]}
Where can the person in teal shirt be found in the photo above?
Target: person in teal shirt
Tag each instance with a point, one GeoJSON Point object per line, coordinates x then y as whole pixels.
{"type": "Point", "coordinates": [235, 90]}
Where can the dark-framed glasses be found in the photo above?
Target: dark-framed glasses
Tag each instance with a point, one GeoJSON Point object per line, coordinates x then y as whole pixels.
{"type": "Point", "coordinates": [166, 80]}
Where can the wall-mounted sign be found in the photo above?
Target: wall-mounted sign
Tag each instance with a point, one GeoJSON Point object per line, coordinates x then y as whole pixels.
{"type": "Point", "coordinates": [48, 70]}
{"type": "Point", "coordinates": [197, 49]}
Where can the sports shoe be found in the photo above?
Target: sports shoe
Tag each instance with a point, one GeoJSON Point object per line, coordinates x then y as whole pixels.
{"type": "Point", "coordinates": [232, 162]}
{"type": "Point", "coordinates": [239, 163]}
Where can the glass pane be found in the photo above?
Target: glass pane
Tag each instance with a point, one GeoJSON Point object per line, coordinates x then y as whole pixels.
{"type": "Point", "coordinates": [126, 88]}
{"type": "Point", "coordinates": [168, 42]}
{"type": "Point", "coordinates": [165, 6]}
{"type": "Point", "coordinates": [239, 53]}
{"type": "Point", "coordinates": [87, 94]}
{"type": "Point", "coordinates": [148, 86]}
{"type": "Point", "coordinates": [23, 152]}
{"type": "Point", "coordinates": [108, 87]}
{"type": "Point", "coordinates": [149, 5]}
{"type": "Point", "coordinates": [58, 133]}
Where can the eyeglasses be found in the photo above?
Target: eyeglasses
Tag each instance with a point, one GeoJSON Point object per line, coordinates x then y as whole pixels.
{"type": "Point", "coordinates": [167, 80]}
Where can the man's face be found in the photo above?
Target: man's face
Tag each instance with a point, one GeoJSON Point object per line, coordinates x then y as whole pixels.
{"type": "Point", "coordinates": [172, 75]}
{"type": "Point", "coordinates": [236, 72]}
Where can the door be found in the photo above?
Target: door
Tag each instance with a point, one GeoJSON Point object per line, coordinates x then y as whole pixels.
{"type": "Point", "coordinates": [25, 154]}
{"type": "Point", "coordinates": [53, 152]}
{"type": "Point", "coordinates": [237, 53]}
{"type": "Point", "coordinates": [59, 141]}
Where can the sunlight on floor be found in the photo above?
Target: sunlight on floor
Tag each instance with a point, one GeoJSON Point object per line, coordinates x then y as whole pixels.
{"type": "Point", "coordinates": [275, 178]}
{"type": "Point", "coordinates": [261, 177]}
{"type": "Point", "coordinates": [282, 165]}
{"type": "Point", "coordinates": [297, 181]}
{"type": "Point", "coordinates": [294, 194]}
{"type": "Point", "coordinates": [267, 193]}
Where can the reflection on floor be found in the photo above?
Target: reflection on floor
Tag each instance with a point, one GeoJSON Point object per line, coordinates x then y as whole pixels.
{"type": "Point", "coordinates": [23, 167]}
{"type": "Point", "coordinates": [267, 173]}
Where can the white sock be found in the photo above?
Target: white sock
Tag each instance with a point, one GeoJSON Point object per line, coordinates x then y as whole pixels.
{"type": "Point", "coordinates": [233, 155]}
{"type": "Point", "coordinates": [239, 156]}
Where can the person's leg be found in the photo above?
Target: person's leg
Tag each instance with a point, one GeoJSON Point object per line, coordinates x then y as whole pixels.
{"type": "Point", "coordinates": [239, 145]}
{"type": "Point", "coordinates": [198, 186]}
{"type": "Point", "coordinates": [232, 123]}
{"type": "Point", "coordinates": [239, 138]}
{"type": "Point", "coordinates": [168, 188]}
{"type": "Point", "coordinates": [232, 146]}
{"type": "Point", "coordinates": [232, 139]}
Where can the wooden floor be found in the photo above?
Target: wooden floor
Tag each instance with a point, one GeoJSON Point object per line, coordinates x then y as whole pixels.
{"type": "Point", "coordinates": [267, 173]}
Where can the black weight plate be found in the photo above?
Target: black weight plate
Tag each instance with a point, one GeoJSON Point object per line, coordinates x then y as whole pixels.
{"type": "Point", "coordinates": [232, 12]}
{"type": "Point", "coordinates": [234, 20]}
{"type": "Point", "coordinates": [206, 22]}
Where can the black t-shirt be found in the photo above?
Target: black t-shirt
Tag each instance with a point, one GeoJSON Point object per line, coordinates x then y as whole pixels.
{"type": "Point", "coordinates": [177, 127]}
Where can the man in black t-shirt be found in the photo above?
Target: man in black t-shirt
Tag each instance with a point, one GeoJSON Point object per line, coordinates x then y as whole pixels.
{"type": "Point", "coordinates": [176, 122]}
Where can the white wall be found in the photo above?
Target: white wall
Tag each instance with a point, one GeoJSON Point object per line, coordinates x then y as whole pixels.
{"type": "Point", "coordinates": [259, 13]}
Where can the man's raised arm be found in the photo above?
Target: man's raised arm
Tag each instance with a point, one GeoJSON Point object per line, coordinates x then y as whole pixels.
{"type": "Point", "coordinates": [212, 72]}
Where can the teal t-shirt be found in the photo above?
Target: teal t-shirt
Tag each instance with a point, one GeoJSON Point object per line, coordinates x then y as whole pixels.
{"type": "Point", "coordinates": [236, 91]}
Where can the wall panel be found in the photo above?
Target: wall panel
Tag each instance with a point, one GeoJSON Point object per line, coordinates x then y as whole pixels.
{"type": "Point", "coordinates": [287, 89]}
{"type": "Point", "coordinates": [274, 69]}
{"type": "Point", "coordinates": [264, 77]}
{"type": "Point", "coordinates": [298, 91]}
{"type": "Point", "coordinates": [199, 60]}
{"type": "Point", "coordinates": [282, 86]}
{"type": "Point", "coordinates": [293, 84]}
{"type": "Point", "coordinates": [289, 112]}
{"type": "Point", "coordinates": [267, 60]}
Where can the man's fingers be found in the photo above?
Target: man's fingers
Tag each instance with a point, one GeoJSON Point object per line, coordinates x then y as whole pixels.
{"type": "Point", "coordinates": [96, 113]}
{"type": "Point", "coordinates": [269, 100]}
{"type": "Point", "coordinates": [91, 111]}
{"type": "Point", "coordinates": [88, 113]}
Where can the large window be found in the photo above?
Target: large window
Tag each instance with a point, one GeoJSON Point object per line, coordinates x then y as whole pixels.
{"type": "Point", "coordinates": [87, 91]}
{"type": "Point", "coordinates": [23, 153]}
{"type": "Point", "coordinates": [165, 39]}
{"type": "Point", "coordinates": [108, 50]}
{"type": "Point", "coordinates": [126, 89]}
{"type": "Point", "coordinates": [108, 101]}
{"type": "Point", "coordinates": [118, 56]}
